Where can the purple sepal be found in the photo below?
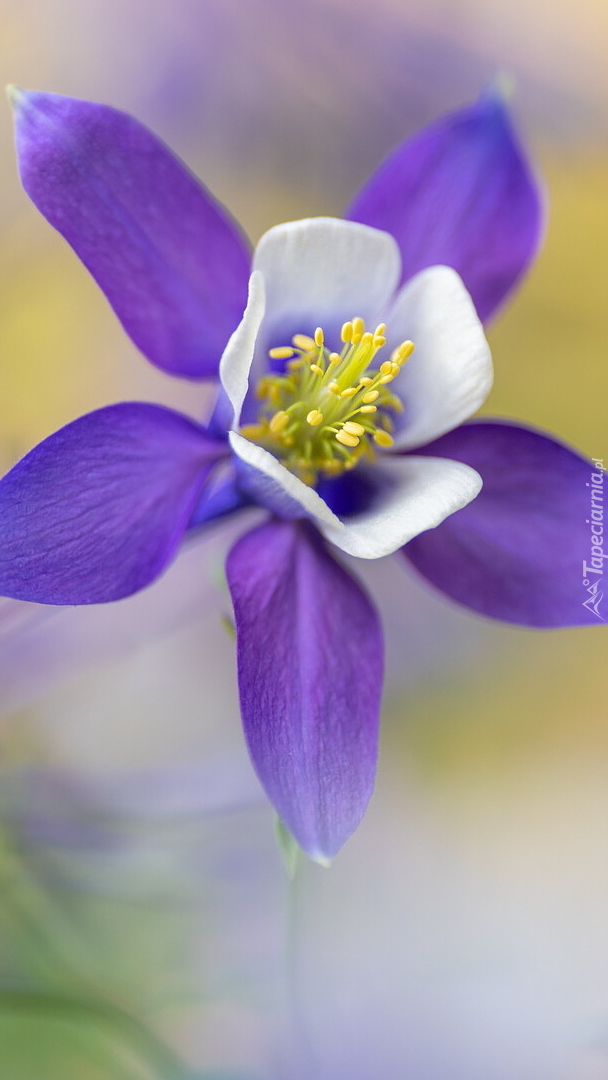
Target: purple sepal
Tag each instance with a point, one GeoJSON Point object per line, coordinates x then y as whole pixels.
{"type": "Point", "coordinates": [310, 675]}
{"type": "Point", "coordinates": [522, 551]}
{"type": "Point", "coordinates": [168, 257]}
{"type": "Point", "coordinates": [97, 510]}
{"type": "Point", "coordinates": [460, 193]}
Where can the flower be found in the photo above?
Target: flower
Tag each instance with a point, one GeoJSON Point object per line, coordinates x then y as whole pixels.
{"type": "Point", "coordinates": [372, 456]}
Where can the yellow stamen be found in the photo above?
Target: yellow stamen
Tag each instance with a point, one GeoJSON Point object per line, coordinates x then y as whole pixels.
{"type": "Point", "coordinates": [383, 438]}
{"type": "Point", "coordinates": [253, 431]}
{"type": "Point", "coordinates": [346, 439]}
{"type": "Point", "coordinates": [303, 341]}
{"type": "Point", "coordinates": [402, 352]}
{"type": "Point", "coordinates": [315, 417]}
{"type": "Point", "coordinates": [279, 422]}
{"type": "Point", "coordinates": [282, 352]}
{"type": "Point", "coordinates": [328, 411]}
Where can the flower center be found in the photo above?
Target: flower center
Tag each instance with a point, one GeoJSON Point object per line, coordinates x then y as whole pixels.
{"type": "Point", "coordinates": [328, 409]}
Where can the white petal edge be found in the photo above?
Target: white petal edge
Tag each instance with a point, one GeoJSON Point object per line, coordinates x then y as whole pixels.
{"type": "Point", "coordinates": [320, 269]}
{"type": "Point", "coordinates": [235, 363]}
{"type": "Point", "coordinates": [420, 493]}
{"type": "Point", "coordinates": [449, 375]}
{"type": "Point", "coordinates": [273, 486]}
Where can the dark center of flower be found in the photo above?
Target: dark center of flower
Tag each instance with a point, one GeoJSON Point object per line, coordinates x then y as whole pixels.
{"type": "Point", "coordinates": [328, 409]}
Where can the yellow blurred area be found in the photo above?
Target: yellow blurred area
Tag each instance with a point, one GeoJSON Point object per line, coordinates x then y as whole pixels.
{"type": "Point", "coordinates": [47, 340]}
{"type": "Point", "coordinates": [549, 346]}
{"type": "Point", "coordinates": [62, 350]}
{"type": "Point", "coordinates": [540, 698]}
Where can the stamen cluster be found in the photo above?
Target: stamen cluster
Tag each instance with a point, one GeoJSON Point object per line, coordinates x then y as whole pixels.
{"type": "Point", "coordinates": [328, 409]}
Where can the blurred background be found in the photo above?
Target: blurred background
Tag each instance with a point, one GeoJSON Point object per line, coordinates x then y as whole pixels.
{"type": "Point", "coordinates": [147, 926]}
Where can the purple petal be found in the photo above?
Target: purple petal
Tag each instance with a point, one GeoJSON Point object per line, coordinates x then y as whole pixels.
{"type": "Point", "coordinates": [523, 550]}
{"type": "Point", "coordinates": [166, 254]}
{"type": "Point", "coordinates": [461, 192]}
{"type": "Point", "coordinates": [97, 510]}
{"type": "Point", "coordinates": [220, 497]}
{"type": "Point", "coordinates": [310, 677]}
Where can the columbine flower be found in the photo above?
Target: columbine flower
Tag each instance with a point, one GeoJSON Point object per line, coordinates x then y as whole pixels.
{"type": "Point", "coordinates": [343, 388]}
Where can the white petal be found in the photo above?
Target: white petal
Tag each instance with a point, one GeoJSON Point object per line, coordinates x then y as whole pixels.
{"type": "Point", "coordinates": [273, 486]}
{"type": "Point", "coordinates": [449, 375]}
{"type": "Point", "coordinates": [415, 494]}
{"type": "Point", "coordinates": [323, 271]}
{"type": "Point", "coordinates": [238, 354]}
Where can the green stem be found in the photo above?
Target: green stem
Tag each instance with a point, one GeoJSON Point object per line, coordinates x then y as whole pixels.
{"type": "Point", "coordinates": [166, 1064]}
{"type": "Point", "coordinates": [301, 1050]}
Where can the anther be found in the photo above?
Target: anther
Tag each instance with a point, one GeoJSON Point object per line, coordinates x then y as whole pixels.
{"type": "Point", "coordinates": [365, 381]}
{"type": "Point", "coordinates": [252, 431]}
{"type": "Point", "coordinates": [282, 352]}
{"type": "Point", "coordinates": [335, 358]}
{"type": "Point", "coordinates": [346, 332]}
{"type": "Point", "coordinates": [335, 388]}
{"type": "Point", "coordinates": [353, 428]}
{"type": "Point", "coordinates": [317, 370]}
{"type": "Point", "coordinates": [279, 422]}
{"type": "Point", "coordinates": [349, 392]}
{"type": "Point", "coordinates": [383, 438]}
{"type": "Point", "coordinates": [319, 337]}
{"type": "Point", "coordinates": [380, 330]}
{"type": "Point", "coordinates": [303, 341]}
{"type": "Point", "coordinates": [368, 408]}
{"type": "Point", "coordinates": [386, 368]}
{"type": "Point", "coordinates": [370, 396]}
{"type": "Point", "coordinates": [346, 439]}
{"type": "Point", "coordinates": [358, 327]}
{"type": "Point", "coordinates": [314, 418]}
{"type": "Point", "coordinates": [402, 352]}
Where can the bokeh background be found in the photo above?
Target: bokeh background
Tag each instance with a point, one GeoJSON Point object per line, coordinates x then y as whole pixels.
{"type": "Point", "coordinates": [147, 926]}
